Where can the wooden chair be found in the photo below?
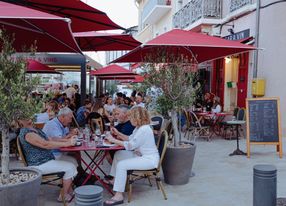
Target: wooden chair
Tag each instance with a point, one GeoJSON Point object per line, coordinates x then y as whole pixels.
{"type": "Point", "coordinates": [55, 179]}
{"type": "Point", "coordinates": [98, 122]}
{"type": "Point", "coordinates": [196, 129]}
{"type": "Point", "coordinates": [134, 175]}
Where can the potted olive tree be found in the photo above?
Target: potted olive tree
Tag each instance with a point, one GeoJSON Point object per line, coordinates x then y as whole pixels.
{"type": "Point", "coordinates": [15, 104]}
{"type": "Point", "coordinates": [175, 78]}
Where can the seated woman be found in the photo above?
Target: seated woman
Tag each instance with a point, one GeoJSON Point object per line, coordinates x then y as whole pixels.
{"type": "Point", "coordinates": [51, 110]}
{"type": "Point", "coordinates": [38, 152]}
{"type": "Point", "coordinates": [216, 105]}
{"type": "Point", "coordinates": [141, 152]}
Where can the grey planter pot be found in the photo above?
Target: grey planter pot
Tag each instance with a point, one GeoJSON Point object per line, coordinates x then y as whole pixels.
{"type": "Point", "coordinates": [23, 194]}
{"type": "Point", "coordinates": [177, 164]}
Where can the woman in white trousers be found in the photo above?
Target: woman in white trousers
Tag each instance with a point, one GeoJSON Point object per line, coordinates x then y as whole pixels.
{"type": "Point", "coordinates": [141, 152]}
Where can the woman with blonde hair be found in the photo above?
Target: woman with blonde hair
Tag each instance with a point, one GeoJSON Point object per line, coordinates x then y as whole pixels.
{"type": "Point", "coordinates": [140, 152]}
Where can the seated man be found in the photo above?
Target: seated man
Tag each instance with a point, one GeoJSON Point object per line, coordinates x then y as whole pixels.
{"type": "Point", "coordinates": [57, 130]}
{"type": "Point", "coordinates": [124, 125]}
{"type": "Point", "coordinates": [37, 150]}
{"type": "Point", "coordinates": [83, 112]}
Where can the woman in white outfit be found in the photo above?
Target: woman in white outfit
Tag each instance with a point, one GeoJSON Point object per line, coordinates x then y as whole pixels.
{"type": "Point", "coordinates": [141, 152]}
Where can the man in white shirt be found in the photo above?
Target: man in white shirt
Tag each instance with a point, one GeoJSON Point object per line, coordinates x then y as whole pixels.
{"type": "Point", "coordinates": [139, 100]}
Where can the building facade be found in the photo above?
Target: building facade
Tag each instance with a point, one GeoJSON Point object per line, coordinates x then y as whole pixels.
{"type": "Point", "coordinates": [230, 78]}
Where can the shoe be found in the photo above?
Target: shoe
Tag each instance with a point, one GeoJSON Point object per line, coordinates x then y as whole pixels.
{"type": "Point", "coordinates": [108, 177]}
{"type": "Point", "coordinates": [108, 182]}
{"type": "Point", "coordinates": [113, 202]}
{"type": "Point", "coordinates": [68, 198]}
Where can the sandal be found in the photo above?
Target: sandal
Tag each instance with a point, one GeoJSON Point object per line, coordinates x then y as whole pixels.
{"type": "Point", "coordinates": [68, 198]}
{"type": "Point", "coordinates": [113, 202]}
{"type": "Point", "coordinates": [108, 182]}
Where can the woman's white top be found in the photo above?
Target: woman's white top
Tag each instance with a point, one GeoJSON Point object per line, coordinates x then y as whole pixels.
{"type": "Point", "coordinates": [109, 108]}
{"type": "Point", "coordinates": [217, 109]}
{"type": "Point", "coordinates": [142, 140]}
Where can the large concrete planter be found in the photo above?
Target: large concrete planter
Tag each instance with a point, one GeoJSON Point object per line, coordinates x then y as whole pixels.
{"type": "Point", "coordinates": [22, 194]}
{"type": "Point", "coordinates": [178, 163]}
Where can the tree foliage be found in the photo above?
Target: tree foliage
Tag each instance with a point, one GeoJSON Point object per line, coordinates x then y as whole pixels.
{"type": "Point", "coordinates": [174, 75]}
{"type": "Point", "coordinates": [15, 102]}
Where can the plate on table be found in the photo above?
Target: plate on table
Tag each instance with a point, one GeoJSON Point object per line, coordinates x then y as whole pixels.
{"type": "Point", "coordinates": [108, 144]}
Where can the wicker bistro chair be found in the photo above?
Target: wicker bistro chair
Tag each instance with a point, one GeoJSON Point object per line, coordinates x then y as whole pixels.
{"type": "Point", "coordinates": [134, 175]}
{"type": "Point", "coordinates": [55, 179]}
{"type": "Point", "coordinates": [196, 129]}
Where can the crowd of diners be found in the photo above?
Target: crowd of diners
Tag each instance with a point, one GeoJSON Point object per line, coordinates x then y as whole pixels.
{"type": "Point", "coordinates": [132, 131]}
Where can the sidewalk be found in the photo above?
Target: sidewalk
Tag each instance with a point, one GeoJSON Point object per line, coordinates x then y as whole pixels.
{"type": "Point", "coordinates": [220, 180]}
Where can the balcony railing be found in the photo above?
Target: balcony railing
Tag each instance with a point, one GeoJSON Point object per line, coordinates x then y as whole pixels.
{"type": "Point", "coordinates": [195, 10]}
{"type": "Point", "coordinates": [153, 3]}
{"type": "Point", "coordinates": [237, 4]}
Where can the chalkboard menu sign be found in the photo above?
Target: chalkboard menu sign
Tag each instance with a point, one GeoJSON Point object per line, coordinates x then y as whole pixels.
{"type": "Point", "coordinates": [263, 121]}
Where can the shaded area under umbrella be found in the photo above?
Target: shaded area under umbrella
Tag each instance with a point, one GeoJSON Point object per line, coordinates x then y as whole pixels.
{"type": "Point", "coordinates": [193, 47]}
{"type": "Point", "coordinates": [37, 67]}
{"type": "Point", "coordinates": [83, 16]}
{"type": "Point", "coordinates": [31, 26]}
{"type": "Point", "coordinates": [97, 41]}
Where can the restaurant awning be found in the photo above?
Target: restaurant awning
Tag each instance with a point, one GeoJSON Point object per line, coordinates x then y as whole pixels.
{"type": "Point", "coordinates": [83, 16]}
{"type": "Point", "coordinates": [37, 67]}
{"type": "Point", "coordinates": [97, 41]}
{"type": "Point", "coordinates": [112, 70]}
{"type": "Point", "coordinates": [35, 27]}
{"type": "Point", "coordinates": [194, 47]}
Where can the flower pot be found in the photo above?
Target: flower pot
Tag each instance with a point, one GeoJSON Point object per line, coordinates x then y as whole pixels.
{"type": "Point", "coordinates": [177, 164]}
{"type": "Point", "coordinates": [24, 193]}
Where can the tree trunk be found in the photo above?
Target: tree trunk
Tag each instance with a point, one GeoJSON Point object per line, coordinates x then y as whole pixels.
{"type": "Point", "coordinates": [5, 156]}
{"type": "Point", "coordinates": [174, 118]}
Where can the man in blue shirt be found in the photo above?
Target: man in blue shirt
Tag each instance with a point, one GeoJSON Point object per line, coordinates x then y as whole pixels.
{"type": "Point", "coordinates": [83, 112]}
{"type": "Point", "coordinates": [57, 129]}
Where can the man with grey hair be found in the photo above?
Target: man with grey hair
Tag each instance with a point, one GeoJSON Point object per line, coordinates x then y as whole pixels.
{"type": "Point", "coordinates": [57, 129]}
{"type": "Point", "coordinates": [124, 125]}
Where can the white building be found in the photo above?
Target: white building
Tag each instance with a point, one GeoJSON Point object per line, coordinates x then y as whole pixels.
{"type": "Point", "coordinates": [234, 20]}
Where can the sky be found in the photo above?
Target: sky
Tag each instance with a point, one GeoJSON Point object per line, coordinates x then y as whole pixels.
{"type": "Point", "coordinates": [122, 12]}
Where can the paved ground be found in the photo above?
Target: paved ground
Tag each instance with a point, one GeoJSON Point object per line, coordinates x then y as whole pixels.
{"type": "Point", "coordinates": [220, 180]}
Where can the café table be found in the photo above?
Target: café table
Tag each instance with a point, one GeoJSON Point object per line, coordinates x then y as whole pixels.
{"type": "Point", "coordinates": [237, 123]}
{"type": "Point", "coordinates": [100, 153]}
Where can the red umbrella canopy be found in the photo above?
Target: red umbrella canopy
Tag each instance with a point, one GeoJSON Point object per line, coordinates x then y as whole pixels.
{"type": "Point", "coordinates": [31, 26]}
{"type": "Point", "coordinates": [117, 77]}
{"type": "Point", "coordinates": [96, 41]}
{"type": "Point", "coordinates": [136, 79]}
{"type": "Point", "coordinates": [37, 67]}
{"type": "Point", "coordinates": [83, 16]}
{"type": "Point", "coordinates": [112, 70]}
{"type": "Point", "coordinates": [195, 47]}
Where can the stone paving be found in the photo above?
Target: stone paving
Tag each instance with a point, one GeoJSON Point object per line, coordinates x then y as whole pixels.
{"type": "Point", "coordinates": [220, 180]}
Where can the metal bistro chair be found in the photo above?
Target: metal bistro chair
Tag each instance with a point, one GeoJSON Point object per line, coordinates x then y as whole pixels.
{"type": "Point", "coordinates": [240, 116]}
{"type": "Point", "coordinates": [134, 175]}
{"type": "Point", "coordinates": [55, 179]}
{"type": "Point", "coordinates": [158, 127]}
